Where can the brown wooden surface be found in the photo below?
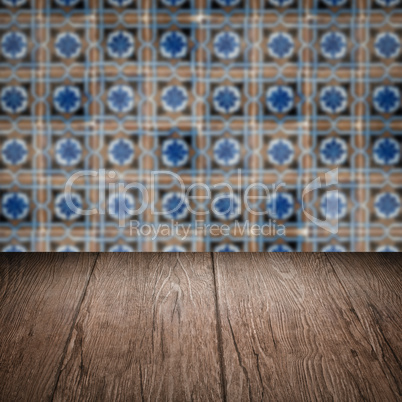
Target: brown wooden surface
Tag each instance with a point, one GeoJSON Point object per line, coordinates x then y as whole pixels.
{"type": "Point", "coordinates": [374, 287]}
{"type": "Point", "coordinates": [148, 326]}
{"type": "Point", "coordinates": [290, 330]}
{"type": "Point", "coordinates": [286, 327]}
{"type": "Point", "coordinates": [40, 296]}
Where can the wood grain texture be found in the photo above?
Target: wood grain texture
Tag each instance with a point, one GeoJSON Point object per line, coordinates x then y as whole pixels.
{"type": "Point", "coordinates": [291, 332]}
{"type": "Point", "coordinates": [374, 288]}
{"type": "Point", "coordinates": [182, 327]}
{"type": "Point", "coordinates": [39, 299]}
{"type": "Point", "coordinates": [146, 330]}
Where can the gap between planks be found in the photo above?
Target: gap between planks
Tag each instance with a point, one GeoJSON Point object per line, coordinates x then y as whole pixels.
{"type": "Point", "coordinates": [219, 332]}
{"type": "Point", "coordinates": [219, 307]}
{"type": "Point", "coordinates": [219, 339]}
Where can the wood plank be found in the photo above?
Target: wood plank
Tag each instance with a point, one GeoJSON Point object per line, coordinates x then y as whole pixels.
{"type": "Point", "coordinates": [39, 298]}
{"type": "Point", "coordinates": [146, 331]}
{"type": "Point", "coordinates": [290, 332]}
{"type": "Point", "coordinates": [373, 282]}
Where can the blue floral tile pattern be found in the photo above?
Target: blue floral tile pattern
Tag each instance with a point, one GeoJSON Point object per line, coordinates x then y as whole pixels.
{"type": "Point", "coordinates": [387, 99]}
{"type": "Point", "coordinates": [227, 152]}
{"type": "Point", "coordinates": [280, 152]}
{"type": "Point", "coordinates": [121, 152]}
{"type": "Point", "coordinates": [333, 151]}
{"type": "Point", "coordinates": [15, 206]}
{"type": "Point", "coordinates": [386, 151]}
{"type": "Point", "coordinates": [121, 206]}
{"type": "Point", "coordinates": [227, 99]}
{"type": "Point", "coordinates": [227, 45]}
{"type": "Point", "coordinates": [66, 208]}
{"type": "Point", "coordinates": [173, 45]}
{"type": "Point", "coordinates": [14, 99]}
{"type": "Point", "coordinates": [387, 45]}
{"type": "Point", "coordinates": [280, 45]}
{"type": "Point", "coordinates": [188, 125]}
{"type": "Point", "coordinates": [280, 248]}
{"type": "Point", "coordinates": [280, 99]}
{"type": "Point", "coordinates": [14, 3]}
{"type": "Point", "coordinates": [120, 44]}
{"type": "Point", "coordinates": [174, 206]}
{"type": "Point", "coordinates": [67, 99]}
{"type": "Point", "coordinates": [175, 152]}
{"type": "Point", "coordinates": [387, 205]}
{"type": "Point", "coordinates": [281, 205]}
{"type": "Point", "coordinates": [67, 45]}
{"type": "Point", "coordinates": [120, 98]}
{"type": "Point", "coordinates": [226, 206]}
{"type": "Point", "coordinates": [334, 45]}
{"type": "Point", "coordinates": [14, 45]}
{"type": "Point", "coordinates": [333, 99]}
{"type": "Point", "coordinates": [68, 151]}
{"type": "Point", "coordinates": [174, 98]}
{"type": "Point", "coordinates": [14, 152]}
{"type": "Point", "coordinates": [333, 205]}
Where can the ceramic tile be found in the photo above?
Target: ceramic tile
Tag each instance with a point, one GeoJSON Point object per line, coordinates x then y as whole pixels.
{"type": "Point", "coordinates": [234, 125]}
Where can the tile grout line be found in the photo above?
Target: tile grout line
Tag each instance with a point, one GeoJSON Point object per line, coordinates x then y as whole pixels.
{"type": "Point", "coordinates": [219, 333]}
{"type": "Point", "coordinates": [74, 321]}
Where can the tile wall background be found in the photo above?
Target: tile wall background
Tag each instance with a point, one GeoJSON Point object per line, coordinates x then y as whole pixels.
{"type": "Point", "coordinates": [215, 91]}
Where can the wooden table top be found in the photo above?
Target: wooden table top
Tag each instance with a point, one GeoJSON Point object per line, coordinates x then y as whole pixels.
{"type": "Point", "coordinates": [283, 327]}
